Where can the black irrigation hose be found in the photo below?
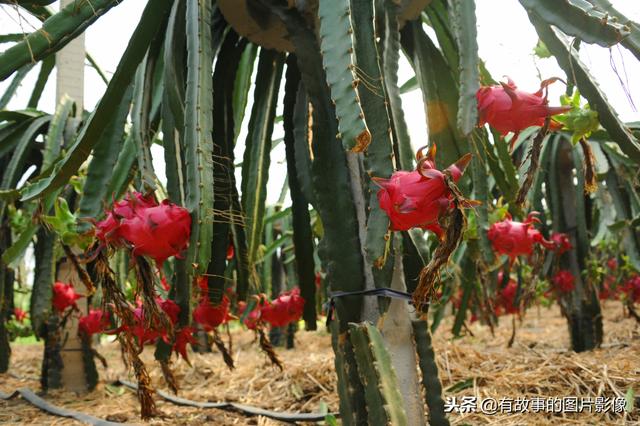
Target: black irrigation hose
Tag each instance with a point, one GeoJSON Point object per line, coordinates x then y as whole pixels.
{"type": "Point", "coordinates": [232, 406]}
{"type": "Point", "coordinates": [35, 400]}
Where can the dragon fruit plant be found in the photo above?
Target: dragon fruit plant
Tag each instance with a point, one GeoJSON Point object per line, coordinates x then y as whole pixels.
{"type": "Point", "coordinates": [360, 200]}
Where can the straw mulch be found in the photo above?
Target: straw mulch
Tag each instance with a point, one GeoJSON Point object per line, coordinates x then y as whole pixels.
{"type": "Point", "coordinates": [538, 364]}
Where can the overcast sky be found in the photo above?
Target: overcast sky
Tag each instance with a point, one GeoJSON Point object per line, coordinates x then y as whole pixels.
{"type": "Point", "coordinates": [506, 40]}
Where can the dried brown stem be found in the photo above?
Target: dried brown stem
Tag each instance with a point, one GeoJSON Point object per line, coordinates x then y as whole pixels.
{"type": "Point", "coordinates": [513, 332]}
{"type": "Point", "coordinates": [267, 348]}
{"type": "Point", "coordinates": [430, 274]}
{"type": "Point", "coordinates": [145, 391]}
{"type": "Point", "coordinates": [534, 164]}
{"type": "Point", "coordinates": [154, 317]}
{"type": "Point", "coordinates": [229, 338]}
{"type": "Point", "coordinates": [82, 273]}
{"type": "Point", "coordinates": [112, 296]}
{"type": "Point", "coordinates": [169, 377]}
{"type": "Point", "coordinates": [226, 356]}
{"type": "Point", "coordinates": [590, 180]}
{"type": "Point", "coordinates": [115, 300]}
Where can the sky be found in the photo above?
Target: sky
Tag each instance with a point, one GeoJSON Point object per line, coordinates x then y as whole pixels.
{"type": "Point", "coordinates": [505, 37]}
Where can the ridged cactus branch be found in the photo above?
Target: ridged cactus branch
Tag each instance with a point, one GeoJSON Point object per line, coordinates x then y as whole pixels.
{"type": "Point", "coordinates": [301, 133]}
{"type": "Point", "coordinates": [429, 368]}
{"type": "Point", "coordinates": [257, 156]}
{"type": "Point", "coordinates": [437, 14]}
{"type": "Point", "coordinates": [101, 168]}
{"type": "Point", "coordinates": [378, 159]}
{"type": "Point", "coordinates": [384, 401]}
{"type": "Point", "coordinates": [343, 75]}
{"type": "Point", "coordinates": [242, 85]}
{"type": "Point", "coordinates": [339, 249]}
{"type": "Point", "coordinates": [14, 169]}
{"type": "Point", "coordinates": [223, 132]}
{"type": "Point", "coordinates": [440, 93]}
{"type": "Point", "coordinates": [140, 114]}
{"type": "Point", "coordinates": [198, 126]}
{"type": "Point", "coordinates": [5, 349]}
{"type": "Point", "coordinates": [581, 306]}
{"type": "Point", "coordinates": [48, 64]}
{"type": "Point", "coordinates": [415, 253]}
{"type": "Point", "coordinates": [43, 277]}
{"type": "Point", "coordinates": [632, 41]}
{"type": "Point", "coordinates": [55, 33]}
{"type": "Point", "coordinates": [624, 211]}
{"type": "Point", "coordinates": [391, 57]}
{"type": "Point", "coordinates": [570, 62]}
{"type": "Point", "coordinates": [579, 18]}
{"type": "Point", "coordinates": [14, 85]}
{"type": "Point", "coordinates": [481, 190]}
{"type": "Point", "coordinates": [152, 18]}
{"type": "Point", "coordinates": [54, 141]}
{"type": "Point", "coordinates": [462, 14]}
{"type": "Point", "coordinates": [302, 234]}
{"type": "Point", "coordinates": [173, 129]}
{"type": "Point", "coordinates": [174, 76]}
{"type": "Point", "coordinates": [350, 389]}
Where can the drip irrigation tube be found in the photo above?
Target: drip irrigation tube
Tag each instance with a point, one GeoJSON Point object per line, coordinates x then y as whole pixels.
{"type": "Point", "coordinates": [29, 396]}
{"type": "Point", "coordinates": [232, 406]}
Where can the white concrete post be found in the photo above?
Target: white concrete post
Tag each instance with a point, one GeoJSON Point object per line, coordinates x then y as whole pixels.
{"type": "Point", "coordinates": [70, 69]}
{"type": "Point", "coordinates": [70, 82]}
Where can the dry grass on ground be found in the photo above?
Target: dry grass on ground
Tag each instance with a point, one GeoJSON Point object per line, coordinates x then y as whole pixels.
{"type": "Point", "coordinates": [538, 364]}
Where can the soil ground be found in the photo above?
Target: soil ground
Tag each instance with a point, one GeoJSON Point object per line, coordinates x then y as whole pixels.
{"type": "Point", "coordinates": [539, 364]}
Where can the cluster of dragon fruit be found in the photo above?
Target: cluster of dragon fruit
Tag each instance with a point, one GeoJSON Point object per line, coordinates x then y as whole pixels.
{"type": "Point", "coordinates": [150, 233]}
{"type": "Point", "coordinates": [424, 198]}
{"type": "Point", "coordinates": [159, 231]}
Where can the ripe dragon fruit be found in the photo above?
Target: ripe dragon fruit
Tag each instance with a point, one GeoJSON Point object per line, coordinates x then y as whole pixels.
{"type": "Point", "coordinates": [64, 296]}
{"type": "Point", "coordinates": [421, 197]}
{"type": "Point", "coordinates": [563, 281]}
{"type": "Point", "coordinates": [210, 316]}
{"type": "Point", "coordinates": [93, 323]}
{"type": "Point", "coordinates": [285, 309]}
{"type": "Point", "coordinates": [562, 242]}
{"type": "Point", "coordinates": [517, 238]}
{"type": "Point", "coordinates": [155, 230]}
{"type": "Point", "coordinates": [509, 109]}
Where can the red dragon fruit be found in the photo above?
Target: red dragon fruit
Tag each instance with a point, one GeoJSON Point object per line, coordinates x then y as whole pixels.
{"type": "Point", "coordinates": [421, 197]}
{"type": "Point", "coordinates": [184, 337]}
{"type": "Point", "coordinates": [564, 281]}
{"type": "Point", "coordinates": [19, 314]}
{"type": "Point", "coordinates": [517, 238]}
{"type": "Point", "coordinates": [93, 323]}
{"type": "Point", "coordinates": [107, 229]}
{"type": "Point", "coordinates": [210, 316]}
{"type": "Point", "coordinates": [508, 109]}
{"type": "Point", "coordinates": [562, 242]}
{"type": "Point", "coordinates": [632, 288]}
{"type": "Point", "coordinates": [158, 232]}
{"type": "Point", "coordinates": [506, 296]}
{"type": "Point", "coordinates": [285, 309]}
{"type": "Point", "coordinates": [64, 296]}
